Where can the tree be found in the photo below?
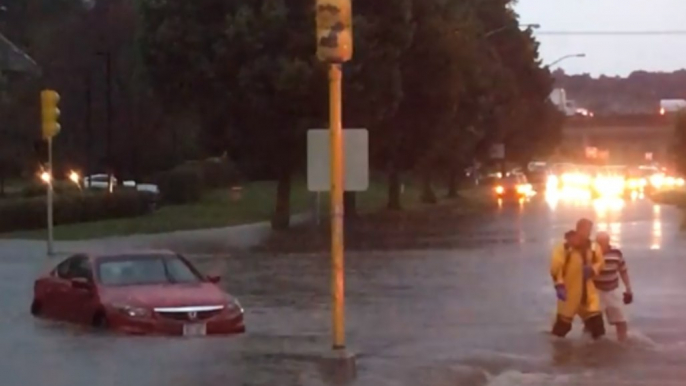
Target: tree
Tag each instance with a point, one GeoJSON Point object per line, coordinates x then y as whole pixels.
{"type": "Point", "coordinates": [248, 70]}
{"type": "Point", "coordinates": [525, 119]}
{"type": "Point", "coordinates": [373, 87]}
{"type": "Point", "coordinates": [428, 76]}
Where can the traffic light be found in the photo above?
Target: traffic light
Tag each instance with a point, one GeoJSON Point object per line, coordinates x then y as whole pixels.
{"type": "Point", "coordinates": [334, 30]}
{"type": "Point", "coordinates": [50, 113]}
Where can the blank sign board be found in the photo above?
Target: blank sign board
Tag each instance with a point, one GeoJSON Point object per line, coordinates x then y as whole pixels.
{"type": "Point", "coordinates": [355, 153]}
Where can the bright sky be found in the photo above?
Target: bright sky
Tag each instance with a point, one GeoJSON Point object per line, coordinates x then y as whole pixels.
{"type": "Point", "coordinates": [610, 55]}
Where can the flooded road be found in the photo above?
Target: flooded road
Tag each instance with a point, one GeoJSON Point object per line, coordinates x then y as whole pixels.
{"type": "Point", "coordinates": [478, 315]}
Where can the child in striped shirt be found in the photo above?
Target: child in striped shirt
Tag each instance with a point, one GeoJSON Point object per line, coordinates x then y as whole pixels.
{"type": "Point", "coordinates": [607, 284]}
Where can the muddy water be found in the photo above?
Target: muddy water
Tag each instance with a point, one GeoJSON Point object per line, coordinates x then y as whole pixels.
{"type": "Point", "coordinates": [476, 315]}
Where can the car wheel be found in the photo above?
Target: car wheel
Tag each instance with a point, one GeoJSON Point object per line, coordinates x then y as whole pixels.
{"type": "Point", "coordinates": [36, 308]}
{"type": "Point", "coordinates": [100, 321]}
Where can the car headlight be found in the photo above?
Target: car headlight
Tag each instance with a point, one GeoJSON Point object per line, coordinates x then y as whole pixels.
{"type": "Point", "coordinates": [234, 308]}
{"type": "Point", "coordinates": [131, 311]}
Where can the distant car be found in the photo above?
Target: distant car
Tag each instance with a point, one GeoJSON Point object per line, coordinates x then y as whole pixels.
{"type": "Point", "coordinates": [157, 292]}
{"type": "Point", "coordinates": [101, 181]}
{"type": "Point", "coordinates": [514, 186]}
{"type": "Point", "coordinates": [98, 181]}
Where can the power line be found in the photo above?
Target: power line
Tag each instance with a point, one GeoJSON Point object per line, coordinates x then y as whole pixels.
{"type": "Point", "coordinates": [612, 33]}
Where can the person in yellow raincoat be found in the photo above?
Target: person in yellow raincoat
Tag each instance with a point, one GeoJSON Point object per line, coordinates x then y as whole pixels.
{"type": "Point", "coordinates": [574, 264]}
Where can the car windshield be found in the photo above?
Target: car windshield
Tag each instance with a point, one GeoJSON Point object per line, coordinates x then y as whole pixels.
{"type": "Point", "coordinates": [141, 270]}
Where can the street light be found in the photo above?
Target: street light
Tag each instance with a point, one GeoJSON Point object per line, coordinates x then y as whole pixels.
{"type": "Point", "coordinates": [45, 177]}
{"type": "Point", "coordinates": [504, 28]}
{"type": "Point", "coordinates": [581, 55]}
{"type": "Point", "coordinates": [75, 178]}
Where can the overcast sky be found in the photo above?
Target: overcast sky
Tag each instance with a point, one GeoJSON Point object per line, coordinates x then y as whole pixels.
{"type": "Point", "coordinates": [610, 55]}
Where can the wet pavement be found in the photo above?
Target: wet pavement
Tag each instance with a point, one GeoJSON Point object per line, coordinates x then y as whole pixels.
{"type": "Point", "coordinates": [476, 315]}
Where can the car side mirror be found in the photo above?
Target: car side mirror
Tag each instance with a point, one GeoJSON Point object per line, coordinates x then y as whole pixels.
{"type": "Point", "coordinates": [214, 278]}
{"type": "Point", "coordinates": [81, 283]}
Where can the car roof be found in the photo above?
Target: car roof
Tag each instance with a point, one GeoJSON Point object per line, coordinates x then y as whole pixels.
{"type": "Point", "coordinates": [128, 254]}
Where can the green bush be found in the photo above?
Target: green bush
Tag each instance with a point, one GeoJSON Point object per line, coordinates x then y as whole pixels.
{"type": "Point", "coordinates": [181, 185]}
{"type": "Point", "coordinates": [30, 213]}
{"type": "Point", "coordinates": [216, 172]}
{"type": "Point", "coordinates": [40, 189]}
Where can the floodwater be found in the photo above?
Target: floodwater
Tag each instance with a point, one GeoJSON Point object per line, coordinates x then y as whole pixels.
{"type": "Point", "coordinates": [477, 315]}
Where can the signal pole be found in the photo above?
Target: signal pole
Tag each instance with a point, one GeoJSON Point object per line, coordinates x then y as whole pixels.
{"type": "Point", "coordinates": [335, 47]}
{"type": "Point", "coordinates": [50, 127]}
{"type": "Point", "coordinates": [51, 239]}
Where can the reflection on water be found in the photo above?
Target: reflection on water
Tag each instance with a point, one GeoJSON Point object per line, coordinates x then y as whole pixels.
{"type": "Point", "coordinates": [656, 239]}
{"type": "Point", "coordinates": [605, 205]}
{"type": "Point", "coordinates": [614, 229]}
{"type": "Point", "coordinates": [574, 196]}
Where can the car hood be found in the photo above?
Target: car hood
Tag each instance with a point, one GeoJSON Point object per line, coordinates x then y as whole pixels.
{"type": "Point", "coordinates": [165, 295]}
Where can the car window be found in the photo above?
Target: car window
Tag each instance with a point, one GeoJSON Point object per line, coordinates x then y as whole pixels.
{"type": "Point", "coordinates": [141, 270]}
{"type": "Point", "coordinates": [62, 269]}
{"type": "Point", "coordinates": [78, 266]}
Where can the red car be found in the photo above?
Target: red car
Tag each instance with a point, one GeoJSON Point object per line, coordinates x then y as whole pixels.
{"type": "Point", "coordinates": [137, 293]}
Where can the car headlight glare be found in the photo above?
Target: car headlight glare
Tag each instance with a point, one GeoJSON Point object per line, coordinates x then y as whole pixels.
{"type": "Point", "coordinates": [131, 311]}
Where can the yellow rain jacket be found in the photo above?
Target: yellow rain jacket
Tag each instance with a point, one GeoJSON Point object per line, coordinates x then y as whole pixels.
{"type": "Point", "coordinates": [567, 268]}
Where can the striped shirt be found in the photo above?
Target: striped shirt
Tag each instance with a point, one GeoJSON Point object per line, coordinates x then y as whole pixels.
{"type": "Point", "coordinates": [608, 280]}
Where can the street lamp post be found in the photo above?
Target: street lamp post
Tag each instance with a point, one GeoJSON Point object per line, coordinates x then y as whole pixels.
{"type": "Point", "coordinates": [107, 58]}
{"type": "Point", "coordinates": [580, 55]}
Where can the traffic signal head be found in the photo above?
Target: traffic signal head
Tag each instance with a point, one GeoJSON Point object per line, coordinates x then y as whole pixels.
{"type": "Point", "coordinates": [50, 113]}
{"type": "Point", "coordinates": [334, 30]}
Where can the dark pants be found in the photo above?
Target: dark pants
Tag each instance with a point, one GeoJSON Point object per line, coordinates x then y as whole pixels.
{"type": "Point", "coordinates": [594, 324]}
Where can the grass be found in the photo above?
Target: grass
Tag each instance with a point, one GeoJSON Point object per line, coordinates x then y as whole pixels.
{"type": "Point", "coordinates": [217, 209]}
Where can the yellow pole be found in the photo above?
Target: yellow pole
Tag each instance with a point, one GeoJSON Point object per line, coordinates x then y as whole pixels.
{"type": "Point", "coordinates": [337, 272]}
{"type": "Point", "coordinates": [51, 242]}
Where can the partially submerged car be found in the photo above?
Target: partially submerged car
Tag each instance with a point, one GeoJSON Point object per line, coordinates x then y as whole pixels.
{"type": "Point", "coordinates": [152, 292]}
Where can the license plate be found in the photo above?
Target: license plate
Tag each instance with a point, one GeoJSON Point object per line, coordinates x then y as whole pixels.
{"type": "Point", "coordinates": [196, 329]}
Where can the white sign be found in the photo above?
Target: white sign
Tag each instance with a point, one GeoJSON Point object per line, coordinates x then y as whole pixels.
{"type": "Point", "coordinates": [356, 160]}
{"type": "Point", "coordinates": [497, 151]}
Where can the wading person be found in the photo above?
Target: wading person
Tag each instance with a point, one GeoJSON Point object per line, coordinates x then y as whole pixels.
{"type": "Point", "coordinates": [573, 266]}
{"type": "Point", "coordinates": [612, 301]}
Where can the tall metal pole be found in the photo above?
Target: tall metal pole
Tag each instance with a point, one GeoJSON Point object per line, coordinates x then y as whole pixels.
{"type": "Point", "coordinates": [89, 127]}
{"type": "Point", "coordinates": [337, 258]}
{"type": "Point", "coordinates": [108, 75]}
{"type": "Point", "coordinates": [51, 250]}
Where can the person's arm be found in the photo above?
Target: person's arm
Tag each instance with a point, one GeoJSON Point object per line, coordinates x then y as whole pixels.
{"type": "Point", "coordinates": [624, 274]}
{"type": "Point", "coordinates": [556, 265]}
{"type": "Point", "coordinates": [598, 260]}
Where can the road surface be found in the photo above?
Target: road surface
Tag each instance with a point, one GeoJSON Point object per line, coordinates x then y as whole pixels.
{"type": "Point", "coordinates": [477, 315]}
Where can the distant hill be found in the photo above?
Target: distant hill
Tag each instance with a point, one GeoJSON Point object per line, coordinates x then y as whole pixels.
{"type": "Point", "coordinates": [639, 93]}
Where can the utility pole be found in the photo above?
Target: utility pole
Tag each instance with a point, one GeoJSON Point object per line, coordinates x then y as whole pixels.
{"type": "Point", "coordinates": [108, 96]}
{"type": "Point", "coordinates": [89, 127]}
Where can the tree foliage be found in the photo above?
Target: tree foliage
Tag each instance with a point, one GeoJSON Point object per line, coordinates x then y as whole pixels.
{"type": "Point", "coordinates": [436, 82]}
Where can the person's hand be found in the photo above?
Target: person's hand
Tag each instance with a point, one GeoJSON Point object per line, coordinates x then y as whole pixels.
{"type": "Point", "coordinates": [628, 297]}
{"type": "Point", "coordinates": [561, 292]}
{"type": "Point", "coordinates": [588, 272]}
